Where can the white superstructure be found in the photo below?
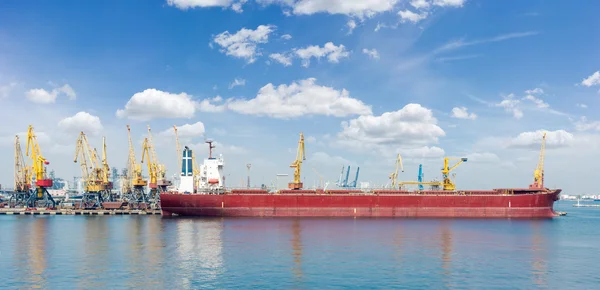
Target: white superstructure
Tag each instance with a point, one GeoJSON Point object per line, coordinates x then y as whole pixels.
{"type": "Point", "coordinates": [210, 177]}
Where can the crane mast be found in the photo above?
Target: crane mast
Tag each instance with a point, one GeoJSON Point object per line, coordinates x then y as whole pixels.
{"type": "Point", "coordinates": [297, 164]}
{"type": "Point", "coordinates": [136, 182]}
{"type": "Point", "coordinates": [159, 170]}
{"type": "Point", "coordinates": [22, 171]}
{"type": "Point", "coordinates": [394, 175]}
{"type": "Point", "coordinates": [538, 173]}
{"type": "Point", "coordinates": [38, 164]}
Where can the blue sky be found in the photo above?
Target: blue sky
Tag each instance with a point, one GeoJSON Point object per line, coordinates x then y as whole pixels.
{"type": "Point", "coordinates": [383, 77]}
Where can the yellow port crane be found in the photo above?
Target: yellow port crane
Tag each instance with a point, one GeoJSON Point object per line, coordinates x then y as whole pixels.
{"type": "Point", "coordinates": [538, 173]}
{"type": "Point", "coordinates": [91, 173]}
{"type": "Point", "coordinates": [152, 168]}
{"type": "Point", "coordinates": [136, 183]}
{"type": "Point", "coordinates": [394, 175]}
{"type": "Point", "coordinates": [159, 168]}
{"type": "Point", "coordinates": [22, 171]}
{"type": "Point", "coordinates": [297, 164]}
{"type": "Point", "coordinates": [106, 170]}
{"type": "Point", "coordinates": [447, 183]}
{"type": "Point", "coordinates": [39, 169]}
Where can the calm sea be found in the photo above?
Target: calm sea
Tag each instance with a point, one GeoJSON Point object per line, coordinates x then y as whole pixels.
{"type": "Point", "coordinates": [116, 252]}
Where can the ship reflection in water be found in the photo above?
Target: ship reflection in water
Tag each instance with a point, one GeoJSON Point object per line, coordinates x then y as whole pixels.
{"type": "Point", "coordinates": [152, 252]}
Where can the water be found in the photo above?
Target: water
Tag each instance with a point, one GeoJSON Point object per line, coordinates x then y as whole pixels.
{"type": "Point", "coordinates": [116, 252]}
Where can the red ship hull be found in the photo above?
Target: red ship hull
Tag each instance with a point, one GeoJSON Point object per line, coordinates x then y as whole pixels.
{"type": "Point", "coordinates": [506, 203]}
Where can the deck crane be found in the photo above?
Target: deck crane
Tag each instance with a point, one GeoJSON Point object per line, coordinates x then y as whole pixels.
{"type": "Point", "coordinates": [39, 169]}
{"type": "Point", "coordinates": [22, 182]}
{"type": "Point", "coordinates": [320, 177]}
{"type": "Point", "coordinates": [394, 175]}
{"type": "Point", "coordinates": [136, 190]}
{"type": "Point", "coordinates": [420, 177]}
{"type": "Point", "coordinates": [538, 173]}
{"type": "Point", "coordinates": [161, 172]}
{"type": "Point", "coordinates": [297, 164]}
{"type": "Point", "coordinates": [344, 182]}
{"type": "Point", "coordinates": [91, 173]}
{"type": "Point", "coordinates": [448, 184]}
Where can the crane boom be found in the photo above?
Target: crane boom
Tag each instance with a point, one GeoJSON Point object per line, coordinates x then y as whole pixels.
{"type": "Point", "coordinates": [22, 171]}
{"type": "Point", "coordinates": [146, 149]}
{"type": "Point", "coordinates": [297, 164]}
{"type": "Point", "coordinates": [38, 164]}
{"type": "Point", "coordinates": [394, 175]}
{"type": "Point", "coordinates": [538, 173]}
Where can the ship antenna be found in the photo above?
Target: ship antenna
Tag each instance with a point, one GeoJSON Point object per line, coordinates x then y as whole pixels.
{"type": "Point", "coordinates": [210, 148]}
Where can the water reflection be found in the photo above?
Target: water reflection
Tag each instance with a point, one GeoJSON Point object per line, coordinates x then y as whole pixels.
{"type": "Point", "coordinates": [539, 254]}
{"type": "Point", "coordinates": [95, 245]}
{"type": "Point", "coordinates": [154, 251]}
{"type": "Point", "coordinates": [446, 245]}
{"type": "Point", "coordinates": [199, 250]}
{"type": "Point", "coordinates": [36, 254]}
{"type": "Point", "coordinates": [297, 249]}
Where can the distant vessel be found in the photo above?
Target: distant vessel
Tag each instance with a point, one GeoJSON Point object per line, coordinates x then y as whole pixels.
{"type": "Point", "coordinates": [212, 199]}
{"type": "Point", "coordinates": [59, 187]}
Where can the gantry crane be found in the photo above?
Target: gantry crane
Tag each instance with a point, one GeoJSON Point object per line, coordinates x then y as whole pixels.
{"type": "Point", "coordinates": [161, 171]}
{"type": "Point", "coordinates": [91, 173]}
{"type": "Point", "coordinates": [297, 164]}
{"type": "Point", "coordinates": [448, 184]}
{"type": "Point", "coordinates": [136, 191]}
{"type": "Point", "coordinates": [538, 173]}
{"type": "Point", "coordinates": [39, 169]}
{"type": "Point", "coordinates": [399, 166]}
{"type": "Point", "coordinates": [22, 182]}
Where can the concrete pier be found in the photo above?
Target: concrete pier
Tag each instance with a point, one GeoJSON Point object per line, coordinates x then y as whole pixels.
{"type": "Point", "coordinates": [22, 211]}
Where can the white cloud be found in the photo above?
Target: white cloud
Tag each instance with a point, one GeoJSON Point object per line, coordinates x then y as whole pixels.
{"type": "Point", "coordinates": [351, 24]}
{"type": "Point", "coordinates": [407, 15]}
{"type": "Point", "coordinates": [332, 52]}
{"type": "Point", "coordinates": [483, 157]}
{"type": "Point", "coordinates": [154, 104]}
{"type": "Point", "coordinates": [535, 91]}
{"type": "Point", "coordinates": [243, 44]}
{"type": "Point", "coordinates": [209, 105]}
{"type": "Point", "coordinates": [6, 89]}
{"type": "Point", "coordinates": [371, 53]}
{"type": "Point", "coordinates": [583, 106]}
{"type": "Point", "coordinates": [324, 159]}
{"type": "Point", "coordinates": [311, 139]}
{"type": "Point", "coordinates": [286, 37]}
{"type": "Point", "coordinates": [298, 99]}
{"type": "Point", "coordinates": [283, 59]}
{"type": "Point", "coordinates": [409, 129]}
{"type": "Point", "coordinates": [511, 105]}
{"type": "Point", "coordinates": [584, 125]}
{"type": "Point", "coordinates": [237, 82]}
{"type": "Point", "coordinates": [420, 4]}
{"type": "Point", "coordinates": [358, 8]}
{"type": "Point", "coordinates": [539, 103]}
{"type": "Point", "coordinates": [449, 3]}
{"type": "Point", "coordinates": [82, 121]}
{"type": "Point", "coordinates": [186, 131]}
{"type": "Point", "coordinates": [43, 96]}
{"type": "Point", "coordinates": [187, 4]}
{"type": "Point", "coordinates": [461, 113]}
{"type": "Point", "coordinates": [460, 43]}
{"type": "Point", "coordinates": [533, 140]}
{"type": "Point", "coordinates": [592, 80]}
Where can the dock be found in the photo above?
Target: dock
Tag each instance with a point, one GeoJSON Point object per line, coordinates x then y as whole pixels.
{"type": "Point", "coordinates": [22, 211]}
{"type": "Point", "coordinates": [586, 205]}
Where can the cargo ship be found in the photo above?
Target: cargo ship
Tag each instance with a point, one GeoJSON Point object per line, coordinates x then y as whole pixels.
{"type": "Point", "coordinates": [206, 195]}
